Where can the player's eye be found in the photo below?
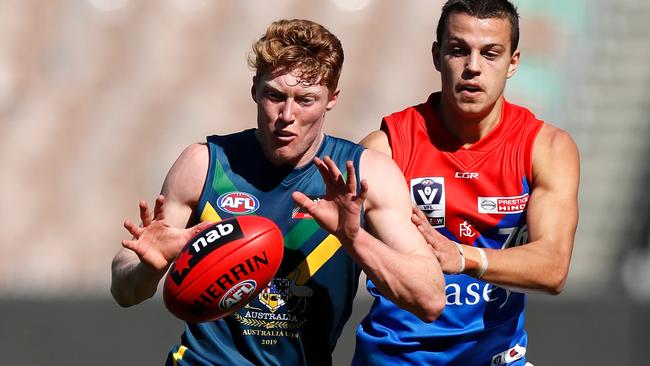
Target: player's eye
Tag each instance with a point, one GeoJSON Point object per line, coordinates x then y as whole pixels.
{"type": "Point", "coordinates": [457, 51]}
{"type": "Point", "coordinates": [491, 55]}
{"type": "Point", "coordinates": [274, 96]}
{"type": "Point", "coordinates": [306, 101]}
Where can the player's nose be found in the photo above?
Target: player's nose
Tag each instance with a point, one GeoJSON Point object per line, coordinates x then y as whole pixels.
{"type": "Point", "coordinates": [287, 112]}
{"type": "Point", "coordinates": [473, 63]}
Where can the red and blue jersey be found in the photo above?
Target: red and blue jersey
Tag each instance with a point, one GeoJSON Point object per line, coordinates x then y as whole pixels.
{"type": "Point", "coordinates": [474, 195]}
{"type": "Point", "coordinates": [298, 317]}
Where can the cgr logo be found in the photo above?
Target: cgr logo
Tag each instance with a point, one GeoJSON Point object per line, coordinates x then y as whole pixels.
{"type": "Point", "coordinates": [238, 203]}
{"type": "Point", "coordinates": [238, 293]}
{"type": "Point", "coordinates": [466, 175]}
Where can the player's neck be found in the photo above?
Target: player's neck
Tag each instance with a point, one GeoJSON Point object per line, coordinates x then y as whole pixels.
{"type": "Point", "coordinates": [310, 154]}
{"type": "Point", "coordinates": [470, 128]}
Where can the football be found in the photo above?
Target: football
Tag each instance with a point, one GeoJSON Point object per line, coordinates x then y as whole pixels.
{"type": "Point", "coordinates": [222, 268]}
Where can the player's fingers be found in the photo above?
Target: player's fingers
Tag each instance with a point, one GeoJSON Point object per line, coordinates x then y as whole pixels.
{"type": "Point", "coordinates": [132, 228]}
{"type": "Point", "coordinates": [335, 173]}
{"type": "Point", "coordinates": [415, 219]}
{"type": "Point", "coordinates": [324, 172]}
{"type": "Point", "coordinates": [363, 193]}
{"type": "Point", "coordinates": [303, 201]}
{"type": "Point", "coordinates": [352, 176]}
{"type": "Point", "coordinates": [132, 245]}
{"type": "Point", "coordinates": [158, 210]}
{"type": "Point", "coordinates": [423, 231]}
{"type": "Point", "coordinates": [145, 214]}
{"type": "Point", "coordinates": [427, 233]}
{"type": "Point", "coordinates": [419, 213]}
{"type": "Point", "coordinates": [419, 218]}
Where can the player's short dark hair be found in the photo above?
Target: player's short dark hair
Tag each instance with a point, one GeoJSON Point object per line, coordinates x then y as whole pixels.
{"type": "Point", "coordinates": [299, 45]}
{"type": "Point", "coordinates": [481, 9]}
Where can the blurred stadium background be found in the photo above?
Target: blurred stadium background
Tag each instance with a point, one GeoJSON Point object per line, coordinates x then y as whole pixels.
{"type": "Point", "coordinates": [98, 97]}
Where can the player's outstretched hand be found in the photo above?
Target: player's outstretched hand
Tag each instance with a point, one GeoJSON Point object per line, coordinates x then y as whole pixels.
{"type": "Point", "coordinates": [339, 212]}
{"type": "Point", "coordinates": [155, 242]}
{"type": "Point", "coordinates": [444, 249]}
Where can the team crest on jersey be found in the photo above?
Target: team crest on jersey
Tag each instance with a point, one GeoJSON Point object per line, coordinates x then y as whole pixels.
{"type": "Point", "coordinates": [503, 205]}
{"type": "Point", "coordinates": [276, 294]}
{"type": "Point", "coordinates": [238, 203]}
{"type": "Point", "coordinates": [428, 194]}
{"type": "Point", "coordinates": [278, 311]}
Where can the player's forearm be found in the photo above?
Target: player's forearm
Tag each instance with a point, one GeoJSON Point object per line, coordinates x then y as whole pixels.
{"type": "Point", "coordinates": [533, 266]}
{"type": "Point", "coordinates": [132, 282]}
{"type": "Point", "coordinates": [413, 282]}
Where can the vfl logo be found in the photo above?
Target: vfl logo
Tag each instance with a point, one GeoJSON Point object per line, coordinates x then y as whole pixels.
{"type": "Point", "coordinates": [238, 293]}
{"type": "Point", "coordinates": [238, 203]}
{"type": "Point", "coordinates": [428, 194]}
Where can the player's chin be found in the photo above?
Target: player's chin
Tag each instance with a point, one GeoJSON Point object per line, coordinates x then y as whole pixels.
{"type": "Point", "coordinates": [471, 107]}
{"type": "Point", "coordinates": [284, 155]}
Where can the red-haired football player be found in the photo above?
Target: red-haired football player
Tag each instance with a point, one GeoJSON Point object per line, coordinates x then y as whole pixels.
{"type": "Point", "coordinates": [298, 318]}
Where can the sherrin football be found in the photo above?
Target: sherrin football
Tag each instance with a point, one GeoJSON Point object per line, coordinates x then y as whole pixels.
{"type": "Point", "coordinates": [222, 268]}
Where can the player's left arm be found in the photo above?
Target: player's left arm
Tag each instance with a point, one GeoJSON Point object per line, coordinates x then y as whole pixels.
{"type": "Point", "coordinates": [552, 217]}
{"type": "Point", "coordinates": [391, 251]}
{"type": "Point", "coordinates": [394, 254]}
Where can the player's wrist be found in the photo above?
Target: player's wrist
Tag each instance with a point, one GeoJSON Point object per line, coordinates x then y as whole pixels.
{"type": "Point", "coordinates": [474, 261]}
{"type": "Point", "coordinates": [356, 239]}
{"type": "Point", "coordinates": [461, 252]}
{"type": "Point", "coordinates": [149, 273]}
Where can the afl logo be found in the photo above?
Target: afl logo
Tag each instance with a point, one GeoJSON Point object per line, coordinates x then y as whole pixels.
{"type": "Point", "coordinates": [238, 293]}
{"type": "Point", "coordinates": [238, 203]}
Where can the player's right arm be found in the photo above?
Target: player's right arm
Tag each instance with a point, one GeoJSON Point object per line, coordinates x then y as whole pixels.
{"type": "Point", "coordinates": [142, 262]}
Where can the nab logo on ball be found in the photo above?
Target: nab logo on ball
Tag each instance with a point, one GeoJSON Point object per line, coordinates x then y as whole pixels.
{"type": "Point", "coordinates": [202, 245]}
{"type": "Point", "coordinates": [238, 293]}
{"type": "Point", "coordinates": [238, 203]}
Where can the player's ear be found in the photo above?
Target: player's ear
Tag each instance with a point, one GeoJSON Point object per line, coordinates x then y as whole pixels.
{"type": "Point", "coordinates": [332, 99]}
{"type": "Point", "coordinates": [435, 54]}
{"type": "Point", "coordinates": [254, 89]}
{"type": "Point", "coordinates": [514, 62]}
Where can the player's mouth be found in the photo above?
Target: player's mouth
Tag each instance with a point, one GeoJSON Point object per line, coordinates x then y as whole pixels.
{"type": "Point", "coordinates": [284, 136]}
{"type": "Point", "coordinates": [469, 89]}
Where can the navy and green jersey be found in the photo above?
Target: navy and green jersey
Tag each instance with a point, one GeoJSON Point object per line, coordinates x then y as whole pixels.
{"type": "Point", "coordinates": [297, 319]}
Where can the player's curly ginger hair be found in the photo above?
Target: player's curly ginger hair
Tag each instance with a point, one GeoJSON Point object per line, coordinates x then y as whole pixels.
{"type": "Point", "coordinates": [301, 46]}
